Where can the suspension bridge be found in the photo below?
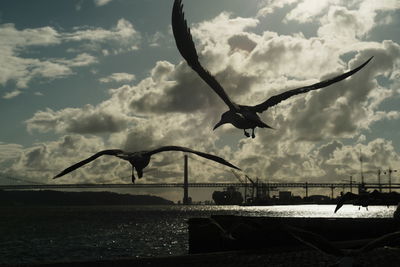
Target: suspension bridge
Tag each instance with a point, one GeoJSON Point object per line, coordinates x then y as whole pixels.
{"type": "Point", "coordinates": [26, 184]}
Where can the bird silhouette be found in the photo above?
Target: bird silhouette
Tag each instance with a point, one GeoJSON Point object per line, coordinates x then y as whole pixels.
{"type": "Point", "coordinates": [240, 116]}
{"type": "Point", "coordinates": [140, 159]}
{"type": "Point", "coordinates": [364, 199]}
{"type": "Point", "coordinates": [346, 257]}
{"type": "Point", "coordinates": [361, 200]}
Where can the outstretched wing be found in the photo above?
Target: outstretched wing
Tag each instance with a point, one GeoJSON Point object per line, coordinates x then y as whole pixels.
{"type": "Point", "coordinates": [346, 197]}
{"type": "Point", "coordinates": [185, 45]}
{"type": "Point", "coordinates": [276, 99]}
{"type": "Point", "coordinates": [188, 150]}
{"type": "Point", "coordinates": [111, 152]}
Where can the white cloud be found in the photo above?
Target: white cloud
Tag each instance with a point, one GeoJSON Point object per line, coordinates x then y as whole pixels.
{"type": "Point", "coordinates": [123, 32]}
{"type": "Point", "coordinates": [12, 37]}
{"type": "Point", "coordinates": [102, 2]}
{"type": "Point", "coordinates": [12, 94]}
{"type": "Point", "coordinates": [9, 151]}
{"type": "Point", "coordinates": [211, 36]}
{"type": "Point", "coordinates": [344, 25]}
{"type": "Point", "coordinates": [253, 67]}
{"type": "Point", "coordinates": [21, 69]}
{"type": "Point", "coordinates": [338, 18]}
{"type": "Point", "coordinates": [377, 154]}
{"type": "Point", "coordinates": [118, 77]}
{"type": "Point", "coordinates": [52, 157]}
{"type": "Point", "coordinates": [80, 60]}
{"type": "Point", "coordinates": [269, 6]}
{"type": "Point", "coordinates": [173, 106]}
{"type": "Point", "coordinates": [156, 39]}
{"type": "Point", "coordinates": [312, 10]}
{"type": "Point", "coordinates": [12, 41]}
{"type": "Point", "coordinates": [308, 10]}
{"type": "Point", "coordinates": [42, 161]}
{"type": "Point", "coordinates": [78, 5]}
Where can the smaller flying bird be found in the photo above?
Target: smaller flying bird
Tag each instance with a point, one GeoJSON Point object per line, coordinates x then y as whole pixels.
{"type": "Point", "coordinates": [367, 198]}
{"type": "Point", "coordinates": [240, 116]}
{"type": "Point", "coordinates": [140, 159]}
{"type": "Point", "coordinates": [362, 199]}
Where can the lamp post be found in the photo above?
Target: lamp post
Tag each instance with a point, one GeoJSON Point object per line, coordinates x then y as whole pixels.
{"type": "Point", "coordinates": [389, 172]}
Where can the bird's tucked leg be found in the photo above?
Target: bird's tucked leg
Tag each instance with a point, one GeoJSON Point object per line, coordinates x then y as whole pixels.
{"type": "Point", "coordinates": [252, 133]}
{"type": "Point", "coordinates": [133, 176]}
{"type": "Point", "coordinates": [246, 133]}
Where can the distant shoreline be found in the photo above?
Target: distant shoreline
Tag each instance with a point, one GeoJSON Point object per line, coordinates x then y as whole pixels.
{"type": "Point", "coordinates": [63, 198]}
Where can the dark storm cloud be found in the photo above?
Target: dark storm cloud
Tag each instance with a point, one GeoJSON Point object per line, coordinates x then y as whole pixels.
{"type": "Point", "coordinates": [96, 123]}
{"type": "Point", "coordinates": [344, 107]}
{"type": "Point", "coordinates": [140, 139]}
{"type": "Point", "coordinates": [242, 41]}
{"type": "Point", "coordinates": [326, 151]}
{"type": "Point", "coordinates": [88, 120]}
{"type": "Point", "coordinates": [188, 92]}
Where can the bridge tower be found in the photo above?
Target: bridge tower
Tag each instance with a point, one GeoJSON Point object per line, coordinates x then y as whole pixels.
{"type": "Point", "coordinates": [186, 200]}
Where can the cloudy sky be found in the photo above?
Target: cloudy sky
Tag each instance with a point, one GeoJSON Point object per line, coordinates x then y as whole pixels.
{"type": "Point", "coordinates": [79, 76]}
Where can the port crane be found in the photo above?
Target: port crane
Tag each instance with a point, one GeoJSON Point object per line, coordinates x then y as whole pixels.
{"type": "Point", "coordinates": [259, 190]}
{"type": "Point", "coordinates": [243, 182]}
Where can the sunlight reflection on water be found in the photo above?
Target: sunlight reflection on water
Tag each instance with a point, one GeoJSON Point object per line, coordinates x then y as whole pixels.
{"type": "Point", "coordinates": [45, 234]}
{"type": "Point", "coordinates": [308, 211]}
{"type": "Point", "coordinates": [325, 211]}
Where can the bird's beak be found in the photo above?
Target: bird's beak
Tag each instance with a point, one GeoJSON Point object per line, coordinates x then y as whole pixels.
{"type": "Point", "coordinates": [218, 124]}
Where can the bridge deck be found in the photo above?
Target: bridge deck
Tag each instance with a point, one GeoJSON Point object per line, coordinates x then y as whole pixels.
{"type": "Point", "coordinates": [270, 186]}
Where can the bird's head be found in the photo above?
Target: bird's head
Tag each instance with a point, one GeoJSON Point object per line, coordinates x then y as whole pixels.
{"type": "Point", "coordinates": [225, 118]}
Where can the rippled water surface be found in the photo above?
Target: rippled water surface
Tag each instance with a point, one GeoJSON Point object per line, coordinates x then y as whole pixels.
{"type": "Point", "coordinates": [46, 234]}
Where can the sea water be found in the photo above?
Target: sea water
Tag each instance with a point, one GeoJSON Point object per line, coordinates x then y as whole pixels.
{"type": "Point", "coordinates": [79, 233]}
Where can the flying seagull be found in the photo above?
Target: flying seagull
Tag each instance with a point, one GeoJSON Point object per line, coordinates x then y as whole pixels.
{"type": "Point", "coordinates": [361, 200]}
{"type": "Point", "coordinates": [240, 116]}
{"type": "Point", "coordinates": [141, 159]}
{"type": "Point", "coordinates": [366, 198]}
